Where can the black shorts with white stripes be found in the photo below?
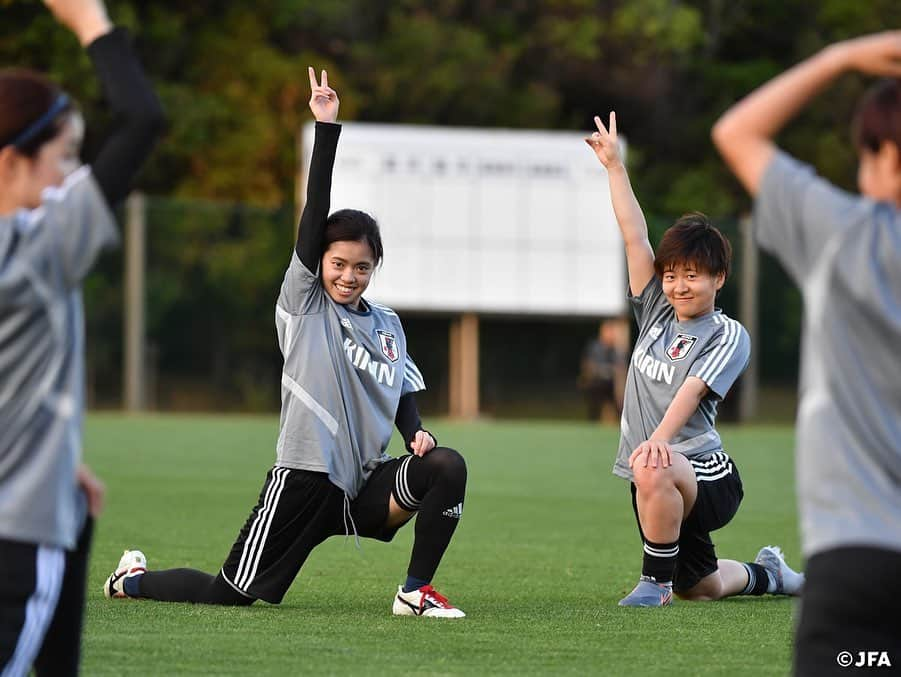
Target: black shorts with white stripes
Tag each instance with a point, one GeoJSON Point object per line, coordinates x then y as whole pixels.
{"type": "Point", "coordinates": [296, 511]}
{"type": "Point", "coordinates": [42, 594]}
{"type": "Point", "coordinates": [719, 494]}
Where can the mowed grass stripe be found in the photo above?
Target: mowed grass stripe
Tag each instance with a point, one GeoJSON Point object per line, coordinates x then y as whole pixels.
{"type": "Point", "coordinates": [546, 548]}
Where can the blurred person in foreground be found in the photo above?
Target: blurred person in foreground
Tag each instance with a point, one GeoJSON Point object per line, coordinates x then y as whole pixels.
{"type": "Point", "coordinates": [54, 220]}
{"type": "Point", "coordinates": [844, 252]}
{"type": "Point", "coordinates": [687, 356]}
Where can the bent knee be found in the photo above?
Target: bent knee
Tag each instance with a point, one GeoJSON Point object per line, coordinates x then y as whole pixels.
{"type": "Point", "coordinates": [650, 479]}
{"type": "Point", "coordinates": [448, 462]}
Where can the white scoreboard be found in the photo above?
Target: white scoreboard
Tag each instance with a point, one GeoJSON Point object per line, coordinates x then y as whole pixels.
{"type": "Point", "coordinates": [482, 220]}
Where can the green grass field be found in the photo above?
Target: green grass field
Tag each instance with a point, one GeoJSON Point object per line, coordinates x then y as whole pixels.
{"type": "Point", "coordinates": [547, 546]}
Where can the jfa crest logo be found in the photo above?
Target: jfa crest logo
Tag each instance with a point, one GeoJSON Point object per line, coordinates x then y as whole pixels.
{"type": "Point", "coordinates": [680, 346]}
{"type": "Point", "coordinates": [389, 344]}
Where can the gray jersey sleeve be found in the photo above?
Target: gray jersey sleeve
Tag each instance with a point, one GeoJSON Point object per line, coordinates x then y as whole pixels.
{"type": "Point", "coordinates": [79, 224]}
{"type": "Point", "coordinates": [649, 304]}
{"type": "Point", "coordinates": [413, 381]}
{"type": "Point", "coordinates": [296, 295]}
{"type": "Point", "coordinates": [796, 212]}
{"type": "Point", "coordinates": [724, 357]}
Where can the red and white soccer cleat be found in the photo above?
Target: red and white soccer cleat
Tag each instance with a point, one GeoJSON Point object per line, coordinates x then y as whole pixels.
{"type": "Point", "coordinates": [131, 564]}
{"type": "Point", "coordinates": [426, 601]}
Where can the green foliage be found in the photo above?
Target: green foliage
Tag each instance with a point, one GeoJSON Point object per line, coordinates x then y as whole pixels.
{"type": "Point", "coordinates": [232, 76]}
{"type": "Point", "coordinates": [547, 546]}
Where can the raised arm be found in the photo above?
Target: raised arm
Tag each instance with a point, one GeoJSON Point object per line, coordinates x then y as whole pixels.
{"type": "Point", "coordinates": [744, 134]}
{"type": "Point", "coordinates": [136, 110]}
{"type": "Point", "coordinates": [634, 229]}
{"type": "Point", "coordinates": [324, 104]}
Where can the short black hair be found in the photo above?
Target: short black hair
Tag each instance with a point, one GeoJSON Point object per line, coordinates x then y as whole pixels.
{"type": "Point", "coordinates": [693, 240]}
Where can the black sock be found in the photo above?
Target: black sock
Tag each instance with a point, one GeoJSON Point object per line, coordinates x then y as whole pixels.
{"type": "Point", "coordinates": [758, 579]}
{"type": "Point", "coordinates": [189, 585]}
{"type": "Point", "coordinates": [435, 484]}
{"type": "Point", "coordinates": [660, 560]}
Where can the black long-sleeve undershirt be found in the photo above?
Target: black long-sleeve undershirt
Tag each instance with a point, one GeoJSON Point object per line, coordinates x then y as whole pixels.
{"type": "Point", "coordinates": [311, 228]}
{"type": "Point", "coordinates": [408, 421]}
{"type": "Point", "coordinates": [138, 115]}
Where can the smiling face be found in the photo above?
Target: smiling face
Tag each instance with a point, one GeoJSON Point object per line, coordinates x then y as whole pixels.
{"type": "Point", "coordinates": [687, 256]}
{"type": "Point", "coordinates": [691, 292]}
{"type": "Point", "coordinates": [347, 267]}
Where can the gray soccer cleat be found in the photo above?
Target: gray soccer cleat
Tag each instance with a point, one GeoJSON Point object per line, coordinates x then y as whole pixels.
{"type": "Point", "coordinates": [649, 592]}
{"type": "Point", "coordinates": [787, 580]}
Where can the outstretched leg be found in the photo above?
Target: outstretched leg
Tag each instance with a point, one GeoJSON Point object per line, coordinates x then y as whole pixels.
{"type": "Point", "coordinates": [768, 574]}
{"type": "Point", "coordinates": [296, 510]}
{"type": "Point", "coordinates": [188, 585]}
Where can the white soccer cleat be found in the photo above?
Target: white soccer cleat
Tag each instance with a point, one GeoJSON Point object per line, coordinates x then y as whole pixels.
{"type": "Point", "coordinates": [426, 601]}
{"type": "Point", "coordinates": [788, 581]}
{"type": "Point", "coordinates": [132, 563]}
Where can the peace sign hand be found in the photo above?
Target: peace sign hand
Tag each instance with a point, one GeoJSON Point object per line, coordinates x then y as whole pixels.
{"type": "Point", "coordinates": [604, 143]}
{"type": "Point", "coordinates": [323, 99]}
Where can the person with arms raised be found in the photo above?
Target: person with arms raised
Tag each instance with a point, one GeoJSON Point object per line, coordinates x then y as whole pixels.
{"type": "Point", "coordinates": [54, 220]}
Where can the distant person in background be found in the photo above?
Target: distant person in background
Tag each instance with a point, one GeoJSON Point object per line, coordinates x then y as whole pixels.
{"type": "Point", "coordinates": [348, 380]}
{"type": "Point", "coordinates": [602, 371]}
{"type": "Point", "coordinates": [54, 220]}
{"type": "Point", "coordinates": [687, 356]}
{"type": "Point", "coordinates": [844, 252]}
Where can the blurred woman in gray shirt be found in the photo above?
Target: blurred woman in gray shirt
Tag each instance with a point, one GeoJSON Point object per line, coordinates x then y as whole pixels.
{"type": "Point", "coordinates": [54, 220]}
{"type": "Point", "coordinates": [844, 252]}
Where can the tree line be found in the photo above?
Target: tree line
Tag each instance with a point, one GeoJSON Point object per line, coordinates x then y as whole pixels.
{"type": "Point", "coordinates": [232, 76]}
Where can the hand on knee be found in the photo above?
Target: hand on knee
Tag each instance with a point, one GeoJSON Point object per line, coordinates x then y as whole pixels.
{"type": "Point", "coordinates": [650, 481]}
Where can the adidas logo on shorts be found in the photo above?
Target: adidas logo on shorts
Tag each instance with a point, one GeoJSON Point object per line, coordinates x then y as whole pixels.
{"type": "Point", "coordinates": [456, 512]}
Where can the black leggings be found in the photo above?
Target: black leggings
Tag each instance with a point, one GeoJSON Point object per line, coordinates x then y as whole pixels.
{"type": "Point", "coordinates": [312, 510]}
{"type": "Point", "coordinates": [190, 585]}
